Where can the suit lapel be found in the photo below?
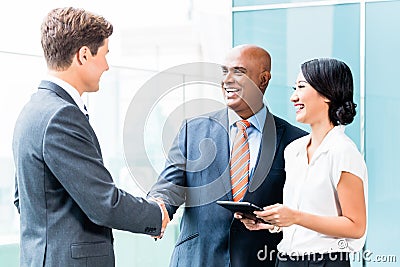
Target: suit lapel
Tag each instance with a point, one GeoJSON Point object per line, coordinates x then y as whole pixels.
{"type": "Point", "coordinates": [222, 141]}
{"type": "Point", "coordinates": [47, 85]}
{"type": "Point", "coordinates": [218, 184]}
{"type": "Point", "coordinates": [270, 138]}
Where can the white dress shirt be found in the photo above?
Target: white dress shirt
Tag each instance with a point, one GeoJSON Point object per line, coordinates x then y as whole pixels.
{"type": "Point", "coordinates": [254, 133]}
{"type": "Point", "coordinates": [311, 187]}
{"type": "Point", "coordinates": [70, 90]}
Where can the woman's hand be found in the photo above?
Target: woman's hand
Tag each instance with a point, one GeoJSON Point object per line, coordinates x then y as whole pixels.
{"type": "Point", "coordinates": [278, 215]}
{"type": "Point", "coordinates": [252, 225]}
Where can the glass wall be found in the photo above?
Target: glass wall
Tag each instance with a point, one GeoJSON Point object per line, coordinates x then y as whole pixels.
{"type": "Point", "coordinates": [382, 127]}
{"type": "Point", "coordinates": [293, 35]}
{"type": "Point", "coordinates": [364, 34]}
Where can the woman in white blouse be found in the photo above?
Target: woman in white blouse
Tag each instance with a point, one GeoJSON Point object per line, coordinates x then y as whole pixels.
{"type": "Point", "coordinates": [324, 210]}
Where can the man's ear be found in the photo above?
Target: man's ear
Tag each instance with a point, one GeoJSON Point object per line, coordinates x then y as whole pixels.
{"type": "Point", "coordinates": [265, 76]}
{"type": "Point", "coordinates": [83, 54]}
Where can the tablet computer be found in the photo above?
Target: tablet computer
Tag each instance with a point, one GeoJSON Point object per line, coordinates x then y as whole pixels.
{"type": "Point", "coordinates": [245, 208]}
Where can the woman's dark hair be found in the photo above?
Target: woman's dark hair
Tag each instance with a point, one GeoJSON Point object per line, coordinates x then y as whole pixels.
{"type": "Point", "coordinates": [332, 79]}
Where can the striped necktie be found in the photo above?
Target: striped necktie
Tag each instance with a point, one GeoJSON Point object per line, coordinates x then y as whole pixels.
{"type": "Point", "coordinates": [240, 161]}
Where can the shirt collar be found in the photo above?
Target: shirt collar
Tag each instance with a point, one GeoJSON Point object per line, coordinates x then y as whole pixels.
{"type": "Point", "coordinates": [257, 120]}
{"type": "Point", "coordinates": [325, 145]}
{"type": "Point", "coordinates": [70, 90]}
{"type": "Point", "coordinates": [326, 142]}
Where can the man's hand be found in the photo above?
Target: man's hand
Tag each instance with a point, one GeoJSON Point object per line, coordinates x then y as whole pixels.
{"type": "Point", "coordinates": [165, 217]}
{"type": "Point", "coordinates": [252, 225]}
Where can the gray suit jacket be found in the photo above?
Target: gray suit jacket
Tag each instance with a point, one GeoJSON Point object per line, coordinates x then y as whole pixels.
{"type": "Point", "coordinates": [67, 199]}
{"type": "Point", "coordinates": [197, 174]}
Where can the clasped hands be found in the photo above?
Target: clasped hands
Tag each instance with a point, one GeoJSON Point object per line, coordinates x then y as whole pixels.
{"type": "Point", "coordinates": [275, 217]}
{"type": "Point", "coordinates": [165, 217]}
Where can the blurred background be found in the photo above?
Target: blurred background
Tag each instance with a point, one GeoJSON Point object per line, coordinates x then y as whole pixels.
{"type": "Point", "coordinates": [153, 36]}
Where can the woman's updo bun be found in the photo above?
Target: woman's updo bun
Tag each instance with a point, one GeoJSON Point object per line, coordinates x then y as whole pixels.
{"type": "Point", "coordinates": [343, 114]}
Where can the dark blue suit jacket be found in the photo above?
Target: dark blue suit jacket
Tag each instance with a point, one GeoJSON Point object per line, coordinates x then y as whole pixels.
{"type": "Point", "coordinates": [66, 197]}
{"type": "Point", "coordinates": [197, 174]}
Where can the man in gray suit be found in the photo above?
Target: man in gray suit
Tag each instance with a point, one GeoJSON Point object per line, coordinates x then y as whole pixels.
{"type": "Point", "coordinates": [67, 199]}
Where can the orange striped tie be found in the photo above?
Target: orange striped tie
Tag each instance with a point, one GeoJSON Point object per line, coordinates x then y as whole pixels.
{"type": "Point", "coordinates": [240, 161]}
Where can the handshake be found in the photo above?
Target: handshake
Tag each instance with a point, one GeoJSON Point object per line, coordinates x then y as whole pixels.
{"type": "Point", "coordinates": [164, 217]}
